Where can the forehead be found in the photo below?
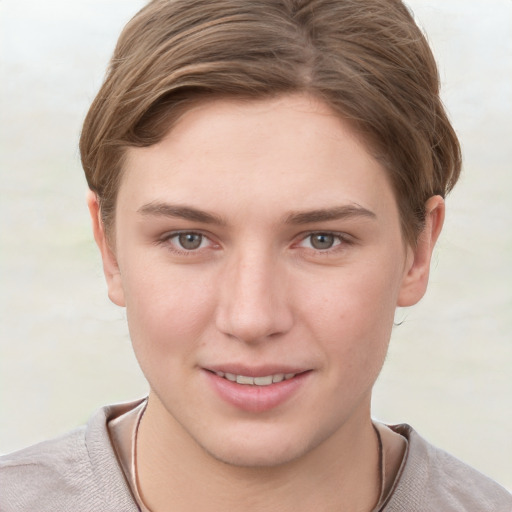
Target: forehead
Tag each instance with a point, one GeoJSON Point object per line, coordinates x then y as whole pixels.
{"type": "Point", "coordinates": [290, 152]}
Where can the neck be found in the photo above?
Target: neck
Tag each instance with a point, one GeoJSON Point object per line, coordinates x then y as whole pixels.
{"type": "Point", "coordinates": [175, 473]}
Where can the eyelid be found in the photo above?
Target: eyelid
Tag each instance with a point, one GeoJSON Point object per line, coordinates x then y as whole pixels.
{"type": "Point", "coordinates": [344, 239]}
{"type": "Point", "coordinates": [168, 236]}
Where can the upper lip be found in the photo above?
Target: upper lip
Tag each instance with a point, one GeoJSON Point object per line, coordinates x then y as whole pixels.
{"type": "Point", "coordinates": [255, 371]}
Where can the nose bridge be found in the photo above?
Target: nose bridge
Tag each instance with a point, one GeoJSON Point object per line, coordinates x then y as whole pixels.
{"type": "Point", "coordinates": [252, 300]}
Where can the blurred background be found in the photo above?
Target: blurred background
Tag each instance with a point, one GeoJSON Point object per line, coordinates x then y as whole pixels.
{"type": "Point", "coordinates": [64, 348]}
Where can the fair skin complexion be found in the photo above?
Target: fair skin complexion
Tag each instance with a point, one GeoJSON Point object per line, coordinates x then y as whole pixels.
{"type": "Point", "coordinates": [260, 239]}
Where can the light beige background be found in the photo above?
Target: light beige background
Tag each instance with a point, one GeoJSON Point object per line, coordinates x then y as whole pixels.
{"type": "Point", "coordinates": [64, 349]}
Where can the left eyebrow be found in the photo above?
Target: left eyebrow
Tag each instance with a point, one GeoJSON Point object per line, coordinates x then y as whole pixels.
{"type": "Point", "coordinates": [326, 214]}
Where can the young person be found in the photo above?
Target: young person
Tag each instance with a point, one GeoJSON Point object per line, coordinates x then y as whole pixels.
{"type": "Point", "coordinates": [266, 187]}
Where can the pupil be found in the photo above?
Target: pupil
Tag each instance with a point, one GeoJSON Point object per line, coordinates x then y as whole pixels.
{"type": "Point", "coordinates": [190, 240]}
{"type": "Point", "coordinates": [322, 241]}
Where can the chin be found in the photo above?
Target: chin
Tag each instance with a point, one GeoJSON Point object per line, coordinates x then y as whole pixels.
{"type": "Point", "coordinates": [263, 449]}
{"type": "Point", "coordinates": [255, 457]}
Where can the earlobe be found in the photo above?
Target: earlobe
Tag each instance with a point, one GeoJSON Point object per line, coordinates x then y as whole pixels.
{"type": "Point", "coordinates": [110, 266]}
{"type": "Point", "coordinates": [415, 281]}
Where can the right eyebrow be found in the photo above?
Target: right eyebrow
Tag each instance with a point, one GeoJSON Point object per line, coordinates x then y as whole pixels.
{"type": "Point", "coordinates": [159, 209]}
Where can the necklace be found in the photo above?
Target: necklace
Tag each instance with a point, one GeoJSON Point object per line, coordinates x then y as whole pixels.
{"type": "Point", "coordinates": [381, 468]}
{"type": "Point", "coordinates": [381, 471]}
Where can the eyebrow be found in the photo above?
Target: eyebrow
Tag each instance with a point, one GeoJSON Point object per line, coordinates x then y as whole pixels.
{"type": "Point", "coordinates": [160, 209]}
{"type": "Point", "coordinates": [181, 212]}
{"type": "Point", "coordinates": [326, 214]}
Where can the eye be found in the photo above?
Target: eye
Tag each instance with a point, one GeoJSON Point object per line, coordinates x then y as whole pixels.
{"type": "Point", "coordinates": [322, 241]}
{"type": "Point", "coordinates": [189, 241]}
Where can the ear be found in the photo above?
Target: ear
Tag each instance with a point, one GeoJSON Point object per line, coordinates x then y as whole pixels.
{"type": "Point", "coordinates": [415, 281]}
{"type": "Point", "coordinates": [110, 266]}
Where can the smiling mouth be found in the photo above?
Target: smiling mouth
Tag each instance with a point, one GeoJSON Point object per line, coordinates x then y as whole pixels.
{"type": "Point", "coordinates": [259, 391]}
{"type": "Point", "coordinates": [266, 380]}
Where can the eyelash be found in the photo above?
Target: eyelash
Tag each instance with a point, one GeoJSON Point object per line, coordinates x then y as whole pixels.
{"type": "Point", "coordinates": [174, 247]}
{"type": "Point", "coordinates": [341, 241]}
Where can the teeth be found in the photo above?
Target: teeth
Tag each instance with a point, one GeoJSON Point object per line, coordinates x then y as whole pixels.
{"type": "Point", "coordinates": [267, 380]}
{"type": "Point", "coordinates": [242, 379]}
{"type": "Point", "coordinates": [263, 381]}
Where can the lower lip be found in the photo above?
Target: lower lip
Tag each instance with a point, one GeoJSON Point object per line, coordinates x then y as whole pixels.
{"type": "Point", "coordinates": [256, 398]}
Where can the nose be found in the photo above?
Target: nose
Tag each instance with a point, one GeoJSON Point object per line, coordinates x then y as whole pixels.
{"type": "Point", "coordinates": [253, 303]}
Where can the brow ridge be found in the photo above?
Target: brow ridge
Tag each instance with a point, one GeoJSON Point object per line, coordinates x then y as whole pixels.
{"type": "Point", "coordinates": [182, 212]}
{"type": "Point", "coordinates": [327, 214]}
{"type": "Point", "coordinates": [163, 209]}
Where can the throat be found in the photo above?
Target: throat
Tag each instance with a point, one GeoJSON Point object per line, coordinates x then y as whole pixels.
{"type": "Point", "coordinates": [175, 474]}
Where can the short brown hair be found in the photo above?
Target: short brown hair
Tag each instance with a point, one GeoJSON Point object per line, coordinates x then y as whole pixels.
{"type": "Point", "coordinates": [366, 59]}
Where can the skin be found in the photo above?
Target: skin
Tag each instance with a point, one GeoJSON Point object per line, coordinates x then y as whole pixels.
{"type": "Point", "coordinates": [257, 295]}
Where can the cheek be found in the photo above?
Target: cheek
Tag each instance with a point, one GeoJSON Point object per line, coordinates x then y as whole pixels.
{"type": "Point", "coordinates": [167, 311]}
{"type": "Point", "coordinates": [352, 314]}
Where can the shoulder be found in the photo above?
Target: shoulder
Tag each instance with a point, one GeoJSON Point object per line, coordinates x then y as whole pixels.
{"type": "Point", "coordinates": [77, 471]}
{"type": "Point", "coordinates": [50, 472]}
{"type": "Point", "coordinates": [433, 480]}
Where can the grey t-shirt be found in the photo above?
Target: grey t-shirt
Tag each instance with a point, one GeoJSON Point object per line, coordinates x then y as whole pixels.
{"type": "Point", "coordinates": [79, 472]}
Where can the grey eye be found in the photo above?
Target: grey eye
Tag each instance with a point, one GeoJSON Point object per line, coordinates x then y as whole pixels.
{"type": "Point", "coordinates": [190, 241]}
{"type": "Point", "coordinates": [322, 240]}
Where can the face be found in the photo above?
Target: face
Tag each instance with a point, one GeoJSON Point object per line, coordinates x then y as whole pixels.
{"type": "Point", "coordinates": [259, 255]}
